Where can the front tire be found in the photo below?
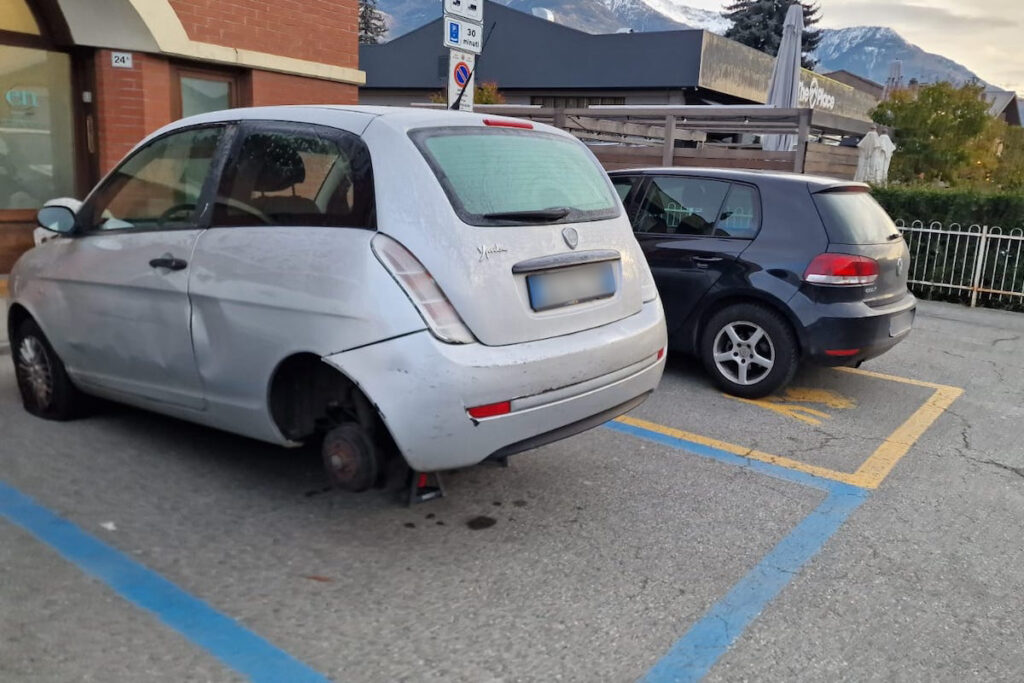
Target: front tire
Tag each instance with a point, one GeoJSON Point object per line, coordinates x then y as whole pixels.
{"type": "Point", "coordinates": [749, 350]}
{"type": "Point", "coordinates": [46, 390]}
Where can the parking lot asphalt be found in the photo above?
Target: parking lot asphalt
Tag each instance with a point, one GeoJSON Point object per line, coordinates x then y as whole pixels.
{"type": "Point", "coordinates": [694, 537]}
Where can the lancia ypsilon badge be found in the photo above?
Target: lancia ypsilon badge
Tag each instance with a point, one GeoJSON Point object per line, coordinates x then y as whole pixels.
{"type": "Point", "coordinates": [571, 237]}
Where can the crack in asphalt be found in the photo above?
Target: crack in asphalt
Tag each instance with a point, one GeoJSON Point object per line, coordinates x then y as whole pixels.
{"type": "Point", "coordinates": [1019, 471]}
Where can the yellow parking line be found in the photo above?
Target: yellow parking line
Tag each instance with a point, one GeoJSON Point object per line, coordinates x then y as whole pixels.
{"type": "Point", "coordinates": [894, 378]}
{"type": "Point", "coordinates": [874, 470]}
{"type": "Point", "coordinates": [877, 467]}
{"type": "Point", "coordinates": [751, 453]}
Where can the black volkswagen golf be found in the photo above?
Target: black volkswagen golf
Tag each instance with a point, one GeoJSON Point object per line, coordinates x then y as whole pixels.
{"type": "Point", "coordinates": [760, 271]}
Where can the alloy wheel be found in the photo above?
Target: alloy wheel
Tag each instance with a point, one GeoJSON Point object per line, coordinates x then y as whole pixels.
{"type": "Point", "coordinates": [744, 353]}
{"type": "Point", "coordinates": [35, 371]}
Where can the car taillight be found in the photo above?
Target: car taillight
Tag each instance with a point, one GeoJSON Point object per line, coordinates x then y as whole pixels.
{"type": "Point", "coordinates": [841, 270]}
{"type": "Point", "coordinates": [648, 290]}
{"type": "Point", "coordinates": [508, 123]}
{"type": "Point", "coordinates": [439, 314]}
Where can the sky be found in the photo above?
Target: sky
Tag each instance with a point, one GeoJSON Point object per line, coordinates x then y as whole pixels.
{"type": "Point", "coordinates": [986, 36]}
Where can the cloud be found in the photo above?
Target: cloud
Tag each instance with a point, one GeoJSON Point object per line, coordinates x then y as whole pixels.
{"type": "Point", "coordinates": [921, 17]}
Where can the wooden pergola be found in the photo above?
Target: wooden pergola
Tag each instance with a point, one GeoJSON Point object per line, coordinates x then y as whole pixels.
{"type": "Point", "coordinates": [670, 135]}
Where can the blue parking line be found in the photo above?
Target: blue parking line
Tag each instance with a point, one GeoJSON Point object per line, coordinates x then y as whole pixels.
{"type": "Point", "coordinates": [705, 642]}
{"type": "Point", "coordinates": [221, 636]}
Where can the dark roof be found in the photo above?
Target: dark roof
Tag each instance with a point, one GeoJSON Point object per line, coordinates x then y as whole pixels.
{"type": "Point", "coordinates": [532, 53]}
{"type": "Point", "coordinates": [856, 81]}
{"type": "Point", "coordinates": [1004, 104]}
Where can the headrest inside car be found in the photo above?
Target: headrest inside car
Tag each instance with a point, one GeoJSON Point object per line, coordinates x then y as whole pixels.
{"type": "Point", "coordinates": [279, 165]}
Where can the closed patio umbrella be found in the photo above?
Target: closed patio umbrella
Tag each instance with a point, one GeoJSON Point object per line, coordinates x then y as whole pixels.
{"type": "Point", "coordinates": [784, 91]}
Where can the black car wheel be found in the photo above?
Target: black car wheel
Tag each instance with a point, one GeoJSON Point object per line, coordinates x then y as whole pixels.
{"type": "Point", "coordinates": [46, 390]}
{"type": "Point", "coordinates": [750, 350]}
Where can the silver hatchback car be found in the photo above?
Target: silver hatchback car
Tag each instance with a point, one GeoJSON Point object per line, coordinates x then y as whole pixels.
{"type": "Point", "coordinates": [446, 286]}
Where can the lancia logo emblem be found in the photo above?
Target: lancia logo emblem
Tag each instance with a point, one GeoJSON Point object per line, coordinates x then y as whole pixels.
{"type": "Point", "coordinates": [571, 237]}
{"type": "Point", "coordinates": [899, 266]}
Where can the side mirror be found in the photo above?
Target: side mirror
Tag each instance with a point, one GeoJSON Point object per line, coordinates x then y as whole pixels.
{"type": "Point", "coordinates": [58, 219]}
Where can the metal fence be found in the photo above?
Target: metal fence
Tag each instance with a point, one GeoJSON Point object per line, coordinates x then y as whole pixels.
{"type": "Point", "coordinates": [977, 264]}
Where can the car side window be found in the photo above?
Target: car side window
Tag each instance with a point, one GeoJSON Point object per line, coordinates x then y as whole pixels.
{"type": "Point", "coordinates": [302, 176]}
{"type": "Point", "coordinates": [159, 186]}
{"type": "Point", "coordinates": [627, 187]}
{"type": "Point", "coordinates": [681, 205]}
{"type": "Point", "coordinates": [741, 213]}
{"type": "Point", "coordinates": [623, 186]}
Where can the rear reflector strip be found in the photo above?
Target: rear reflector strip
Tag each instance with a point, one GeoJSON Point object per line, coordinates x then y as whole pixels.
{"type": "Point", "coordinates": [661, 353]}
{"type": "Point", "coordinates": [490, 410]}
{"type": "Point", "coordinates": [506, 123]}
{"type": "Point", "coordinates": [841, 352]}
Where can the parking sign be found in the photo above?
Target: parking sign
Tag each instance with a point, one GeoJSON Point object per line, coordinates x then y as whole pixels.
{"type": "Point", "coordinates": [463, 35]}
{"type": "Point", "coordinates": [460, 79]}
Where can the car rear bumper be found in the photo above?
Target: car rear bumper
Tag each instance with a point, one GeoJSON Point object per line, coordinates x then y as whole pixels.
{"type": "Point", "coordinates": [557, 387]}
{"type": "Point", "coordinates": [849, 333]}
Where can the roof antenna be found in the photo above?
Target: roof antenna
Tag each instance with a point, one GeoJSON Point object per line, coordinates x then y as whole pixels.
{"type": "Point", "coordinates": [476, 63]}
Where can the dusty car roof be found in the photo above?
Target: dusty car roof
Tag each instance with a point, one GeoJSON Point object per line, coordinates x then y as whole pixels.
{"type": "Point", "coordinates": [397, 117]}
{"type": "Point", "coordinates": [815, 182]}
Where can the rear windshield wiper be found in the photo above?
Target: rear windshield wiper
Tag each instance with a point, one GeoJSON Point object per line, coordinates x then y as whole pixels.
{"type": "Point", "coordinates": [536, 215]}
{"type": "Point", "coordinates": [893, 238]}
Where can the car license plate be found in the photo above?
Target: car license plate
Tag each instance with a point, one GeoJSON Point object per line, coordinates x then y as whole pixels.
{"type": "Point", "coordinates": [901, 324]}
{"type": "Point", "coordinates": [570, 286]}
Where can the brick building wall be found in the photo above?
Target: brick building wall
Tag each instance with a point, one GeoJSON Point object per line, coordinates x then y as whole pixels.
{"type": "Point", "coordinates": [318, 30]}
{"type": "Point", "coordinates": [131, 103]}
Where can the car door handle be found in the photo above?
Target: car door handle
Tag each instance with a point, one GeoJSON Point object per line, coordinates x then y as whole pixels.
{"type": "Point", "coordinates": [169, 262]}
{"type": "Point", "coordinates": [707, 259]}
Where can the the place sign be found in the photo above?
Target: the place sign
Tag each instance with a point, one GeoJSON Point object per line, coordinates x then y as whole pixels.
{"type": "Point", "coordinates": [815, 95]}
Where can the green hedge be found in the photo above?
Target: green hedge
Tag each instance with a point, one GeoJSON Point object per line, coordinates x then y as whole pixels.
{"type": "Point", "coordinates": [952, 206]}
{"type": "Point", "coordinates": [942, 258]}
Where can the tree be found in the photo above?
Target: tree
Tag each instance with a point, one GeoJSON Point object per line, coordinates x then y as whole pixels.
{"type": "Point", "coordinates": [758, 24]}
{"type": "Point", "coordinates": [372, 24]}
{"type": "Point", "coordinates": [1009, 174]}
{"type": "Point", "coordinates": [937, 127]}
{"type": "Point", "coordinates": [485, 93]}
{"type": "Point", "coordinates": [984, 154]}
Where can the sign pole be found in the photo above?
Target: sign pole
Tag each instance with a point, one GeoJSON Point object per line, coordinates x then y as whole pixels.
{"type": "Point", "coordinates": [472, 78]}
{"type": "Point", "coordinates": [463, 36]}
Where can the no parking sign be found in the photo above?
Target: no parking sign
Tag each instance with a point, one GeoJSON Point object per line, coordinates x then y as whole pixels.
{"type": "Point", "coordinates": [461, 76]}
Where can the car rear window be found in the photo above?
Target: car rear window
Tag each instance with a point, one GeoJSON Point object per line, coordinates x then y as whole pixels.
{"type": "Point", "coordinates": [854, 217]}
{"type": "Point", "coordinates": [507, 171]}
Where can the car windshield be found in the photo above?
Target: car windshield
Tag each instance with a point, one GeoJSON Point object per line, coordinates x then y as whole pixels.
{"type": "Point", "coordinates": [516, 177]}
{"type": "Point", "coordinates": [854, 217]}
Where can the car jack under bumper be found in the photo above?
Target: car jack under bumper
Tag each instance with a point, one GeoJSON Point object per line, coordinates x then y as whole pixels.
{"type": "Point", "coordinates": [423, 486]}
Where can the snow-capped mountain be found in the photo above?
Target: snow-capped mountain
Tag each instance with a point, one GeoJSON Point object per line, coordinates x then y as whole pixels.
{"type": "Point", "coordinates": [694, 17]}
{"type": "Point", "coordinates": [867, 51]}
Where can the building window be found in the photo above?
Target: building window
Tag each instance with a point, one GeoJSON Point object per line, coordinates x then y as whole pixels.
{"type": "Point", "coordinates": [575, 102]}
{"type": "Point", "coordinates": [202, 91]}
{"type": "Point", "coordinates": [37, 149]}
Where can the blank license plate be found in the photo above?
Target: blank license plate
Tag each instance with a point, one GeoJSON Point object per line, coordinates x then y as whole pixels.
{"type": "Point", "coordinates": [901, 323]}
{"type": "Point", "coordinates": [570, 286]}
